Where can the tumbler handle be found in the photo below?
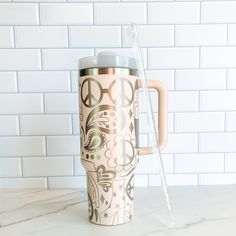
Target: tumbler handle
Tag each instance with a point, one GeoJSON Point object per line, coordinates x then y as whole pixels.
{"type": "Point", "coordinates": [162, 115]}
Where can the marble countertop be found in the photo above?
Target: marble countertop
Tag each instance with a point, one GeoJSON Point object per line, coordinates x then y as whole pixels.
{"type": "Point", "coordinates": [200, 211]}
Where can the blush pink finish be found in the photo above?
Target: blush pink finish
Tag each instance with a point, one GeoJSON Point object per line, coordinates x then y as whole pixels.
{"type": "Point", "coordinates": [162, 116]}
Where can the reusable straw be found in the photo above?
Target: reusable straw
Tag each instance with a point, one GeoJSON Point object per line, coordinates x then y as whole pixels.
{"type": "Point", "coordinates": [134, 39]}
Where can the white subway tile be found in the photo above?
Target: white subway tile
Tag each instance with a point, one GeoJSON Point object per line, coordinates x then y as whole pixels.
{"type": "Point", "coordinates": [67, 182]}
{"type": "Point", "coordinates": [230, 162]}
{"type": "Point", "coordinates": [230, 121]}
{"type": "Point", "coordinates": [61, 103]}
{"type": "Point", "coordinates": [79, 169]}
{"type": "Point", "coordinates": [22, 146]}
{"type": "Point", "coordinates": [232, 34]}
{"type": "Point", "coordinates": [183, 101]}
{"type": "Point", "coordinates": [63, 59]}
{"type": "Point", "coordinates": [199, 122]}
{"type": "Point", "coordinates": [154, 180]}
{"type": "Point", "coordinates": [217, 142]}
{"type": "Point", "coordinates": [199, 163]}
{"type": "Point", "coordinates": [8, 82]}
{"type": "Point", "coordinates": [141, 181]}
{"type": "Point", "coordinates": [63, 145]}
{"type": "Point", "coordinates": [142, 140]}
{"type": "Point", "coordinates": [93, 1]}
{"type": "Point", "coordinates": [95, 36]}
{"type": "Point", "coordinates": [76, 124]}
{"type": "Point", "coordinates": [200, 35]}
{"type": "Point", "coordinates": [218, 57]}
{"type": "Point", "coordinates": [124, 52]}
{"type": "Point", "coordinates": [6, 37]}
{"type": "Point", "coordinates": [153, 100]}
{"type": "Point", "coordinates": [217, 179]}
{"type": "Point", "coordinates": [23, 183]}
{"type": "Point", "coordinates": [182, 179]}
{"type": "Point", "coordinates": [151, 35]}
{"type": "Point", "coordinates": [231, 79]}
{"type": "Point", "coordinates": [47, 166]}
{"type": "Point", "coordinates": [170, 124]}
{"type": "Point", "coordinates": [164, 76]}
{"type": "Point", "coordinates": [119, 13]}
{"type": "Point", "coordinates": [168, 58]}
{"type": "Point", "coordinates": [9, 125]}
{"type": "Point", "coordinates": [45, 124]}
{"type": "Point", "coordinates": [173, 13]}
{"type": "Point", "coordinates": [20, 1]}
{"type": "Point", "coordinates": [105, 30]}
{"type": "Point", "coordinates": [21, 103]}
{"type": "Point", "coordinates": [143, 122]}
{"type": "Point", "coordinates": [144, 126]}
{"type": "Point", "coordinates": [200, 79]}
{"type": "Point", "coordinates": [218, 12]}
{"type": "Point", "coordinates": [20, 59]}
{"type": "Point", "coordinates": [41, 36]}
{"type": "Point", "coordinates": [19, 14]}
{"type": "Point", "coordinates": [145, 0]}
{"type": "Point", "coordinates": [148, 164]}
{"type": "Point", "coordinates": [182, 143]}
{"type": "Point", "coordinates": [44, 81]}
{"type": "Point", "coordinates": [217, 100]}
{"type": "Point", "coordinates": [74, 81]}
{"type": "Point", "coordinates": [10, 167]}
{"type": "Point", "coordinates": [66, 13]}
{"type": "Point", "coordinates": [174, 179]}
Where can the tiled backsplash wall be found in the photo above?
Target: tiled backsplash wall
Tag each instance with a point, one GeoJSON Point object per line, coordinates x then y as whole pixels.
{"type": "Point", "coordinates": [188, 45]}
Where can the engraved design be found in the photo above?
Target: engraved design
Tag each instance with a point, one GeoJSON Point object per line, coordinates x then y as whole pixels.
{"type": "Point", "coordinates": [129, 189]}
{"type": "Point", "coordinates": [131, 127]}
{"type": "Point", "coordinates": [90, 87]}
{"type": "Point", "coordinates": [121, 153]}
{"type": "Point", "coordinates": [108, 146]}
{"type": "Point", "coordinates": [90, 206]}
{"type": "Point", "coordinates": [105, 177]}
{"type": "Point", "coordinates": [101, 118]}
{"type": "Point", "coordinates": [95, 141]}
{"type": "Point", "coordinates": [121, 92]}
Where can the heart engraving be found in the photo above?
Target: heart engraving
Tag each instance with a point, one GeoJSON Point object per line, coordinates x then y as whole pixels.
{"type": "Point", "coordinates": [105, 177]}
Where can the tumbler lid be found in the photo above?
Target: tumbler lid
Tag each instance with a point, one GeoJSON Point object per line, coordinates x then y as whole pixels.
{"type": "Point", "coordinates": [107, 60]}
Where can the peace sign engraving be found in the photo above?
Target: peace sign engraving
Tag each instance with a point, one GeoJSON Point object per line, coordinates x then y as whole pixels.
{"type": "Point", "coordinates": [129, 189]}
{"type": "Point", "coordinates": [126, 153]}
{"type": "Point", "coordinates": [121, 92]}
{"type": "Point", "coordinates": [90, 87]}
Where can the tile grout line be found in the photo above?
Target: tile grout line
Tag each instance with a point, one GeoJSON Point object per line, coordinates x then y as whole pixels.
{"type": "Point", "coordinates": [146, 12]}
{"type": "Point", "coordinates": [200, 12]}
{"type": "Point", "coordinates": [44, 103]}
{"type": "Point", "coordinates": [18, 116]}
{"type": "Point", "coordinates": [46, 155]}
{"type": "Point", "coordinates": [167, 46]}
{"type": "Point", "coordinates": [93, 14]}
{"type": "Point", "coordinates": [121, 37]}
{"type": "Point", "coordinates": [119, 24]}
{"type": "Point", "coordinates": [174, 164]}
{"type": "Point", "coordinates": [144, 174]}
{"type": "Point", "coordinates": [227, 35]}
{"type": "Point", "coordinates": [109, 2]}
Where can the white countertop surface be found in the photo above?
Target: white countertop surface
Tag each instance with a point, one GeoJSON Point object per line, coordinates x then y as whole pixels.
{"type": "Point", "coordinates": [198, 211]}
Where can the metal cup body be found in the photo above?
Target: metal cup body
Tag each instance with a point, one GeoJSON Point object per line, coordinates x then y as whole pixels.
{"type": "Point", "coordinates": [109, 137]}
